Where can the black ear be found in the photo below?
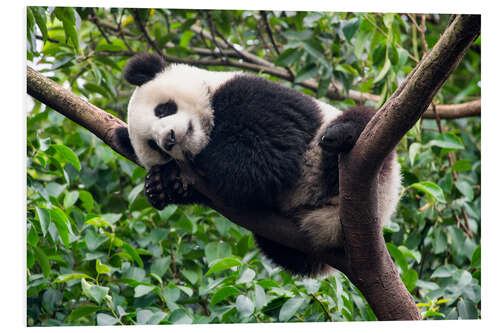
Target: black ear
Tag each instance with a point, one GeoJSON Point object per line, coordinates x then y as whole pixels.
{"type": "Point", "coordinates": [143, 68]}
{"type": "Point", "coordinates": [121, 140]}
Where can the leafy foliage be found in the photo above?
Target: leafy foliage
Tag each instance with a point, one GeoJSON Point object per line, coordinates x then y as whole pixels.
{"type": "Point", "coordinates": [98, 254]}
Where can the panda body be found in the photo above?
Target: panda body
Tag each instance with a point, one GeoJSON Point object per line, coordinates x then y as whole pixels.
{"type": "Point", "coordinates": [256, 143]}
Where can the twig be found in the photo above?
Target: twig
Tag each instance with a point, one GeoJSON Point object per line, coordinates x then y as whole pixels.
{"type": "Point", "coordinates": [451, 160]}
{"type": "Point", "coordinates": [323, 307]}
{"type": "Point", "coordinates": [263, 14]}
{"type": "Point", "coordinates": [386, 36]}
{"type": "Point", "coordinates": [93, 18]}
{"type": "Point", "coordinates": [142, 28]}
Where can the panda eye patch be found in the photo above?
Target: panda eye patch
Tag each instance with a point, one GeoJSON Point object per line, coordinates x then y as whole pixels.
{"type": "Point", "coordinates": [166, 109]}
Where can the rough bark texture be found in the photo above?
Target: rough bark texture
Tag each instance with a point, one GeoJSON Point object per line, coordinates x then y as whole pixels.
{"type": "Point", "coordinates": [370, 265]}
{"type": "Point", "coordinates": [365, 259]}
{"type": "Point", "coordinates": [97, 121]}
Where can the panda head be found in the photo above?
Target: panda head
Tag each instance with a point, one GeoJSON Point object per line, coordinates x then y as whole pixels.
{"type": "Point", "coordinates": [169, 113]}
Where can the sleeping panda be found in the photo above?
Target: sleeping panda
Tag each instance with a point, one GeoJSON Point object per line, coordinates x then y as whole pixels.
{"type": "Point", "coordinates": [257, 144]}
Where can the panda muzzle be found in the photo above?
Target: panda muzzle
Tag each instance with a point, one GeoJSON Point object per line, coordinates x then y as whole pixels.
{"type": "Point", "coordinates": [169, 141]}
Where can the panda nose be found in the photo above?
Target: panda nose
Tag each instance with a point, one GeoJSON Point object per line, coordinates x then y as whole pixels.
{"type": "Point", "coordinates": [169, 141]}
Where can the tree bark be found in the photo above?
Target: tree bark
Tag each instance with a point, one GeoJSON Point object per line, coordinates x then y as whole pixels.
{"type": "Point", "coordinates": [365, 260]}
{"type": "Point", "coordinates": [371, 267]}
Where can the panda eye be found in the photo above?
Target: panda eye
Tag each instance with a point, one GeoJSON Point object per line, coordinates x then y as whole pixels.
{"type": "Point", "coordinates": [165, 109]}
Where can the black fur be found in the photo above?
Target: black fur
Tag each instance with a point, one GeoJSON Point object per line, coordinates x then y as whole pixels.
{"type": "Point", "coordinates": [164, 185]}
{"type": "Point", "coordinates": [339, 137]}
{"type": "Point", "coordinates": [143, 68]}
{"type": "Point", "coordinates": [122, 139]}
{"type": "Point", "coordinates": [294, 261]}
{"type": "Point", "coordinates": [260, 134]}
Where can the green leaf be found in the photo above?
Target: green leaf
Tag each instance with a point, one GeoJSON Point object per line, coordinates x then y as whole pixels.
{"type": "Point", "coordinates": [93, 240]}
{"type": "Point", "coordinates": [86, 199]}
{"type": "Point", "coordinates": [104, 319]}
{"type": "Point", "coordinates": [431, 189]}
{"type": "Point", "coordinates": [42, 260]}
{"type": "Point", "coordinates": [350, 27]}
{"type": "Point", "coordinates": [244, 306]}
{"type": "Point", "coordinates": [461, 165]}
{"type": "Point", "coordinates": [32, 236]}
{"type": "Point", "coordinates": [135, 192]}
{"type": "Point", "coordinates": [39, 15]}
{"type": "Point", "coordinates": [70, 198]}
{"type": "Point", "coordinates": [98, 221]}
{"type": "Point", "coordinates": [148, 317]}
{"type": "Point", "coordinates": [62, 224]}
{"type": "Point", "coordinates": [383, 72]}
{"type": "Point", "coordinates": [306, 73]}
{"type": "Point", "coordinates": [67, 155]}
{"type": "Point", "coordinates": [465, 188]}
{"type": "Point", "coordinates": [476, 258]}
{"type": "Point", "coordinates": [190, 274]}
{"type": "Point", "coordinates": [223, 264]}
{"type": "Point", "coordinates": [224, 293]}
{"type": "Point", "coordinates": [217, 250]}
{"type": "Point", "coordinates": [288, 57]}
{"type": "Point", "coordinates": [67, 16]}
{"type": "Point", "coordinates": [410, 277]}
{"type": "Point", "coordinates": [413, 151]}
{"type": "Point", "coordinates": [447, 141]}
{"type": "Point", "coordinates": [398, 256]}
{"type": "Point", "coordinates": [388, 19]}
{"type": "Point", "coordinates": [142, 290]}
{"type": "Point", "coordinates": [82, 311]}
{"type": "Point", "coordinates": [466, 309]}
{"type": "Point", "coordinates": [290, 307]}
{"type": "Point", "coordinates": [133, 253]}
{"type": "Point", "coordinates": [71, 276]}
{"type": "Point", "coordinates": [95, 88]}
{"type": "Point", "coordinates": [44, 218]}
{"type": "Point", "coordinates": [94, 292]}
{"type": "Point", "coordinates": [315, 49]}
{"type": "Point", "coordinates": [444, 271]}
{"type": "Point", "coordinates": [101, 268]}
{"type": "Point", "coordinates": [440, 241]}
{"type": "Point", "coordinates": [260, 297]}
{"type": "Point", "coordinates": [246, 276]}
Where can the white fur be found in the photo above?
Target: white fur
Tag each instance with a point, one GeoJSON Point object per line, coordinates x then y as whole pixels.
{"type": "Point", "coordinates": [190, 88]}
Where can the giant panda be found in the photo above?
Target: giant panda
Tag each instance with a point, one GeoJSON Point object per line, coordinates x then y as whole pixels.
{"type": "Point", "coordinates": [257, 143]}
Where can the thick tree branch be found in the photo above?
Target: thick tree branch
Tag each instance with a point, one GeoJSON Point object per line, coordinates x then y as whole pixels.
{"type": "Point", "coordinates": [371, 267]}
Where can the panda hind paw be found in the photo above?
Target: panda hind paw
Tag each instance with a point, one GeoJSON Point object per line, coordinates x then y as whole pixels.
{"type": "Point", "coordinates": [339, 137]}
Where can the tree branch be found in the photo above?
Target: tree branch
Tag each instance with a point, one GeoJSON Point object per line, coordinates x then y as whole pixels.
{"type": "Point", "coordinates": [371, 267]}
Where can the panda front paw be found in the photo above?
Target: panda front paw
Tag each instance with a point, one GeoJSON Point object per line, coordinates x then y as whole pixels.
{"type": "Point", "coordinates": [340, 136]}
{"type": "Point", "coordinates": [164, 186]}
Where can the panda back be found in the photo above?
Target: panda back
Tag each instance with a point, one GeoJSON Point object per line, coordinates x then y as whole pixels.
{"type": "Point", "coordinates": [261, 132]}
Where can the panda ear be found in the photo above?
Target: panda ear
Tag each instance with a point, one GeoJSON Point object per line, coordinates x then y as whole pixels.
{"type": "Point", "coordinates": [143, 68]}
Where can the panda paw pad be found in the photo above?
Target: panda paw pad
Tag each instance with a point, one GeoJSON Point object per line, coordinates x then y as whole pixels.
{"type": "Point", "coordinates": [164, 186]}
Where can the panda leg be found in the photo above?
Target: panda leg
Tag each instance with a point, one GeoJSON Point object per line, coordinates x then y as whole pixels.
{"type": "Point", "coordinates": [344, 131]}
{"type": "Point", "coordinates": [295, 262]}
{"type": "Point", "coordinates": [164, 185]}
